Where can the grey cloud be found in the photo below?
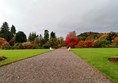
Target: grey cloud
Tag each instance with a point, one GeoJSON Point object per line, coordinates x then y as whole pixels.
{"type": "Point", "coordinates": [61, 16]}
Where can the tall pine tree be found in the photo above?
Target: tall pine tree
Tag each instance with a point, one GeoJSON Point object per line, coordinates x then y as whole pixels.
{"type": "Point", "coordinates": [52, 35]}
{"type": "Point", "coordinates": [32, 36]}
{"type": "Point", "coordinates": [13, 30]}
{"type": "Point", "coordinates": [5, 33]}
{"type": "Point", "coordinates": [46, 35]}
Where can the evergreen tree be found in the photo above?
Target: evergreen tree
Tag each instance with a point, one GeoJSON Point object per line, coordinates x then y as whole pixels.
{"type": "Point", "coordinates": [111, 36]}
{"type": "Point", "coordinates": [5, 33]}
{"type": "Point", "coordinates": [20, 37]}
{"type": "Point", "coordinates": [52, 35]}
{"type": "Point", "coordinates": [13, 30]}
{"type": "Point", "coordinates": [40, 37]}
{"type": "Point", "coordinates": [42, 42]}
{"type": "Point", "coordinates": [5, 27]}
{"type": "Point", "coordinates": [32, 36]}
{"type": "Point", "coordinates": [46, 35]}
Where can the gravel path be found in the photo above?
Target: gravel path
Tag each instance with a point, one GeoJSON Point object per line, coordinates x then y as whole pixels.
{"type": "Point", "coordinates": [59, 66]}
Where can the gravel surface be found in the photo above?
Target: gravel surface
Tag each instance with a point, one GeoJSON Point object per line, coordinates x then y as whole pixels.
{"type": "Point", "coordinates": [58, 66]}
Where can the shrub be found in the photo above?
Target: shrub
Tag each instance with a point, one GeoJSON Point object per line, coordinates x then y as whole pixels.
{"type": "Point", "coordinates": [2, 58]}
{"type": "Point", "coordinates": [12, 41]}
{"type": "Point", "coordinates": [5, 45]}
{"type": "Point", "coordinates": [18, 46]}
{"type": "Point", "coordinates": [97, 43]}
{"type": "Point", "coordinates": [27, 45]}
{"type": "Point", "coordinates": [36, 41]}
{"type": "Point", "coordinates": [105, 43]}
{"type": "Point", "coordinates": [47, 45]}
{"type": "Point", "coordinates": [2, 40]}
{"type": "Point", "coordinates": [114, 45]}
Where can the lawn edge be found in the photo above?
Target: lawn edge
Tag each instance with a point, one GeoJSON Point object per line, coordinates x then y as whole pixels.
{"type": "Point", "coordinates": [22, 59]}
{"type": "Point", "coordinates": [97, 70]}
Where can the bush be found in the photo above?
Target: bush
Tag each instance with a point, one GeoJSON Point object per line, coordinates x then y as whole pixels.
{"type": "Point", "coordinates": [114, 45]}
{"type": "Point", "coordinates": [2, 58]}
{"type": "Point", "coordinates": [18, 46]}
{"type": "Point", "coordinates": [102, 43]}
{"type": "Point", "coordinates": [12, 41]}
{"type": "Point", "coordinates": [47, 45]}
{"type": "Point", "coordinates": [2, 40]}
{"type": "Point", "coordinates": [27, 45]}
{"type": "Point", "coordinates": [97, 44]}
{"type": "Point", "coordinates": [5, 45]}
{"type": "Point", "coordinates": [105, 43]}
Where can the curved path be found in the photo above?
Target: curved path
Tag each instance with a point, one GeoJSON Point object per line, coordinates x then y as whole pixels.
{"type": "Point", "coordinates": [58, 66]}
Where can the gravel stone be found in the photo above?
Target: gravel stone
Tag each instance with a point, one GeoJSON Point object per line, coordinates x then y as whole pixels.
{"type": "Point", "coordinates": [58, 66]}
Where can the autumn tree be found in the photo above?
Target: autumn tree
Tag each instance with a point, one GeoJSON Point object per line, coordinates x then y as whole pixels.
{"type": "Point", "coordinates": [88, 43]}
{"type": "Point", "coordinates": [103, 36]}
{"type": "Point", "coordinates": [115, 40]}
{"type": "Point", "coordinates": [111, 36]}
{"type": "Point", "coordinates": [37, 41]}
{"type": "Point", "coordinates": [2, 40]}
{"type": "Point", "coordinates": [80, 44]}
{"type": "Point", "coordinates": [71, 39]}
{"type": "Point", "coordinates": [12, 41]}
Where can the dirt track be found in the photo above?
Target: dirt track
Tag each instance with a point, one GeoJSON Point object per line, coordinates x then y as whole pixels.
{"type": "Point", "coordinates": [59, 66]}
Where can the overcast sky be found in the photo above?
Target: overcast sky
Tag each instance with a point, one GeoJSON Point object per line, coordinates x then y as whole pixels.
{"type": "Point", "coordinates": [60, 16]}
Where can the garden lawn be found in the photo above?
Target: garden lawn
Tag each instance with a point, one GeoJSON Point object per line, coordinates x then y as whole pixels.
{"type": "Point", "coordinates": [16, 55]}
{"type": "Point", "coordinates": [98, 57]}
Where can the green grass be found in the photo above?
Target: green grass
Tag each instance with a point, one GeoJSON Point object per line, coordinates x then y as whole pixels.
{"type": "Point", "coordinates": [98, 57]}
{"type": "Point", "coordinates": [16, 55]}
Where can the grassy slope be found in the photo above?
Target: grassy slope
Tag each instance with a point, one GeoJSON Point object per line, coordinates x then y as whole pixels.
{"type": "Point", "coordinates": [15, 55]}
{"type": "Point", "coordinates": [98, 57]}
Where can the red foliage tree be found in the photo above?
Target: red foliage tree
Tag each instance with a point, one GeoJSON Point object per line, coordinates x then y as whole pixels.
{"type": "Point", "coordinates": [71, 39]}
{"type": "Point", "coordinates": [88, 43]}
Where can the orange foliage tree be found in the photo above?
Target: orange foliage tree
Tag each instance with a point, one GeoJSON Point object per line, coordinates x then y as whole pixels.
{"type": "Point", "coordinates": [2, 40]}
{"type": "Point", "coordinates": [102, 37]}
{"type": "Point", "coordinates": [88, 43]}
{"type": "Point", "coordinates": [12, 41]}
{"type": "Point", "coordinates": [115, 40]}
{"type": "Point", "coordinates": [80, 44]}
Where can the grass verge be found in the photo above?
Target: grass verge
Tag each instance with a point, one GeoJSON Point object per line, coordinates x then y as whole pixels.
{"type": "Point", "coordinates": [98, 57]}
{"type": "Point", "coordinates": [16, 55]}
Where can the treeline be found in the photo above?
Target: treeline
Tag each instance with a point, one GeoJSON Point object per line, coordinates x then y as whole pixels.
{"type": "Point", "coordinates": [10, 39]}
{"type": "Point", "coordinates": [92, 39]}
